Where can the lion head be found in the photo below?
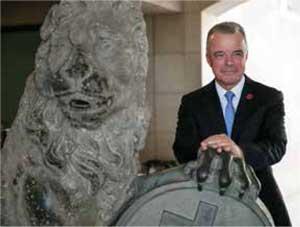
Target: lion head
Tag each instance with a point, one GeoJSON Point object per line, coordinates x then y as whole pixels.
{"type": "Point", "coordinates": [92, 59]}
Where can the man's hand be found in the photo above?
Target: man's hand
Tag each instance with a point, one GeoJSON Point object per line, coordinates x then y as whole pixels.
{"type": "Point", "coordinates": [222, 142]}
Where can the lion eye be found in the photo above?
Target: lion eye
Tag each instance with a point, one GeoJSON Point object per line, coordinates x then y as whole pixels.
{"type": "Point", "coordinates": [95, 84]}
{"type": "Point", "coordinates": [59, 84]}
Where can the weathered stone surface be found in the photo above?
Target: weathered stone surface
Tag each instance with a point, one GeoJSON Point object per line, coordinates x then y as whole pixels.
{"type": "Point", "coordinates": [176, 197]}
{"type": "Point", "coordinates": [69, 158]}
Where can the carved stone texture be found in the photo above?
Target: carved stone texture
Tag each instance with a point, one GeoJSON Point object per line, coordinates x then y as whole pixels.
{"type": "Point", "coordinates": [70, 157]}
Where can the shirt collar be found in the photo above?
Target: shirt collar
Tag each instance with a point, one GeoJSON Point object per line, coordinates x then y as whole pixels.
{"type": "Point", "coordinates": [237, 89]}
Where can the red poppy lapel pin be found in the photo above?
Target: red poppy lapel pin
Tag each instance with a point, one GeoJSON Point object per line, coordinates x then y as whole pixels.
{"type": "Point", "coordinates": [249, 96]}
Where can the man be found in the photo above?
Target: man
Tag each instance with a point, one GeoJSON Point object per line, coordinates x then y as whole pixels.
{"type": "Point", "coordinates": [235, 114]}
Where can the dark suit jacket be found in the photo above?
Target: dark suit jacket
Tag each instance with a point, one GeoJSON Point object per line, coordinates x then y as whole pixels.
{"type": "Point", "coordinates": [258, 129]}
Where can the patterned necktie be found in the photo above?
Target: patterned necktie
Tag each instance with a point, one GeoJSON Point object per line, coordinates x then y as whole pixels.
{"type": "Point", "coordinates": [229, 112]}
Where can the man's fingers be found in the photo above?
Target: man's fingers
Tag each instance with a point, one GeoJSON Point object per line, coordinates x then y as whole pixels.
{"type": "Point", "coordinates": [219, 146]}
{"type": "Point", "coordinates": [227, 148]}
{"type": "Point", "coordinates": [220, 143]}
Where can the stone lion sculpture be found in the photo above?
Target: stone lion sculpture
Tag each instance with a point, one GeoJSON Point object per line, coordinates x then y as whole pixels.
{"type": "Point", "coordinates": [70, 157]}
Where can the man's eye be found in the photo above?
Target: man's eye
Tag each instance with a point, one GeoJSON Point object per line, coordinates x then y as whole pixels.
{"type": "Point", "coordinates": [238, 54]}
{"type": "Point", "coordinates": [219, 55]}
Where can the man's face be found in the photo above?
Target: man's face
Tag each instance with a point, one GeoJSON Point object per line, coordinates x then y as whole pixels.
{"type": "Point", "coordinates": [227, 56]}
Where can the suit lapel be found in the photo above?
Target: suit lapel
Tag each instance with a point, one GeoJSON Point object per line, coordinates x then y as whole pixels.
{"type": "Point", "coordinates": [214, 109]}
{"type": "Point", "coordinates": [247, 105]}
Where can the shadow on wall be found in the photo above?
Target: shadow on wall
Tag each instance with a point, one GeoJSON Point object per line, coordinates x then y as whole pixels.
{"type": "Point", "coordinates": [154, 166]}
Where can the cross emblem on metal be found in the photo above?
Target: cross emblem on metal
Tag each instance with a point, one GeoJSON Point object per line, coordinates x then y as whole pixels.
{"type": "Point", "coordinates": [205, 216]}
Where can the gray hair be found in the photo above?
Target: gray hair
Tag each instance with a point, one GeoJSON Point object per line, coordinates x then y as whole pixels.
{"type": "Point", "coordinates": [227, 27]}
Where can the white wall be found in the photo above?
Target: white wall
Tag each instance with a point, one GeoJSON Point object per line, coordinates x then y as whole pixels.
{"type": "Point", "coordinates": [273, 33]}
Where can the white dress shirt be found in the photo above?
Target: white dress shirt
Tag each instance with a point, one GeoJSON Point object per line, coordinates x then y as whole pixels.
{"type": "Point", "coordinates": [237, 90]}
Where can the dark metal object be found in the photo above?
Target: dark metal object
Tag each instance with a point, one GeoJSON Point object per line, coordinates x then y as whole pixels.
{"type": "Point", "coordinates": [228, 196]}
{"type": "Point", "coordinates": [225, 177]}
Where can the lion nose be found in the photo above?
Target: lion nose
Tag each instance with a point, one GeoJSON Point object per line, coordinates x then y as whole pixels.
{"type": "Point", "coordinates": [79, 104]}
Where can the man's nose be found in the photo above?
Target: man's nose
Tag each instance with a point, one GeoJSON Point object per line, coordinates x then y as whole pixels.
{"type": "Point", "coordinates": [228, 60]}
